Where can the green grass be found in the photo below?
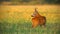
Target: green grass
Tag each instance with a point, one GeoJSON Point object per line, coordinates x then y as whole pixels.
{"type": "Point", "coordinates": [26, 28]}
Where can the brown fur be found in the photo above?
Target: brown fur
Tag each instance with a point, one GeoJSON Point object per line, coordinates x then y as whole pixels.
{"type": "Point", "coordinates": [38, 20]}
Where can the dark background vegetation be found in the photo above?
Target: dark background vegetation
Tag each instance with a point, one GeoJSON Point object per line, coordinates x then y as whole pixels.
{"type": "Point", "coordinates": [31, 1]}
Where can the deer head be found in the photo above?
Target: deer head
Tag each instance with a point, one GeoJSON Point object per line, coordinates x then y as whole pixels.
{"type": "Point", "coordinates": [35, 13]}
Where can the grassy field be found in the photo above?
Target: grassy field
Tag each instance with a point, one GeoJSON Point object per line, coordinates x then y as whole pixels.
{"type": "Point", "coordinates": [17, 19]}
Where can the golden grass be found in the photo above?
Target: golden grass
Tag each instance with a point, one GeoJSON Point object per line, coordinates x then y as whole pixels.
{"type": "Point", "coordinates": [25, 12]}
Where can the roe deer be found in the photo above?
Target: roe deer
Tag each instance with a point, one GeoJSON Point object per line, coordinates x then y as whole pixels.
{"type": "Point", "coordinates": [38, 19]}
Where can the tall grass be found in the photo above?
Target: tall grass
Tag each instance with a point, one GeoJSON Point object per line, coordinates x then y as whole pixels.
{"type": "Point", "coordinates": [26, 28]}
{"type": "Point", "coordinates": [17, 20]}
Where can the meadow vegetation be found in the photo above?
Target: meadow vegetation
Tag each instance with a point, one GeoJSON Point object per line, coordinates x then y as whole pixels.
{"type": "Point", "coordinates": [17, 19]}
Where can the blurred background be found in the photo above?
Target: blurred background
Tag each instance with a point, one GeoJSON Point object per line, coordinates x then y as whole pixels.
{"type": "Point", "coordinates": [15, 16]}
{"type": "Point", "coordinates": [29, 2]}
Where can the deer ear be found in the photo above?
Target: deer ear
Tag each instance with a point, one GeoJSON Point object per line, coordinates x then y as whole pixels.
{"type": "Point", "coordinates": [36, 10]}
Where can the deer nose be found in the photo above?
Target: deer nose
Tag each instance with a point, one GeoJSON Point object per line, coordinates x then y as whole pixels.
{"type": "Point", "coordinates": [32, 16]}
